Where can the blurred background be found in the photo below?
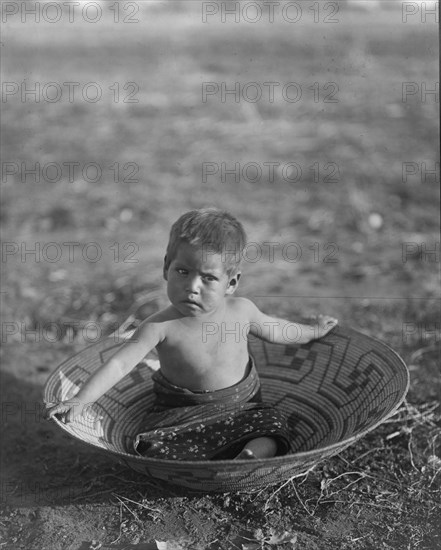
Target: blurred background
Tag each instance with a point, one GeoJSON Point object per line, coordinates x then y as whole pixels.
{"type": "Point", "coordinates": [115, 123]}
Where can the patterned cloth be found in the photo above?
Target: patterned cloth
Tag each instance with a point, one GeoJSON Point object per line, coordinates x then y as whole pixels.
{"type": "Point", "coordinates": [205, 425]}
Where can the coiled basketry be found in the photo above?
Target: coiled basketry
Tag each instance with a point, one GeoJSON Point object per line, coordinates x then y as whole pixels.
{"type": "Point", "coordinates": [333, 391]}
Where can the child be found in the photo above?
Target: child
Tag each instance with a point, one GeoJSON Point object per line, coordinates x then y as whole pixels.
{"type": "Point", "coordinates": [208, 403]}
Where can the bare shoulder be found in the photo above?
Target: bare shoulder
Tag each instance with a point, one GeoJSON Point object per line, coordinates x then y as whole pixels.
{"type": "Point", "coordinates": [167, 314]}
{"type": "Point", "coordinates": [157, 325]}
{"type": "Point", "coordinates": [242, 306]}
{"type": "Point", "coordinates": [248, 311]}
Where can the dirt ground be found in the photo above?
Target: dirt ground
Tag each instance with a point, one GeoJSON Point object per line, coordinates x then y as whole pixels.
{"type": "Point", "coordinates": [58, 494]}
{"type": "Point", "coordinates": [380, 216]}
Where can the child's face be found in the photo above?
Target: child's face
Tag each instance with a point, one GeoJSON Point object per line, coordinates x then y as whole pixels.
{"type": "Point", "coordinates": [197, 281]}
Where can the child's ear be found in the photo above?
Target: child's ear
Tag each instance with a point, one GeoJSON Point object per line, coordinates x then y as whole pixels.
{"type": "Point", "coordinates": [233, 283]}
{"type": "Point", "coordinates": [165, 268]}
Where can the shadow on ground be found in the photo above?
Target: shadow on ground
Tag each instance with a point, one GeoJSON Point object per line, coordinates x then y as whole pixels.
{"type": "Point", "coordinates": [42, 466]}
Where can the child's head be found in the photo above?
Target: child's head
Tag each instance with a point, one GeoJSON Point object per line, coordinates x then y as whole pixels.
{"type": "Point", "coordinates": [212, 231]}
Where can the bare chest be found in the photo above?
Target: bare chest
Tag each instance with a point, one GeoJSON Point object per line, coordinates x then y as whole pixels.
{"type": "Point", "coordinates": [201, 358]}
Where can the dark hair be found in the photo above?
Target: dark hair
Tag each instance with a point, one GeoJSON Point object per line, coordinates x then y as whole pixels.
{"type": "Point", "coordinates": [212, 229]}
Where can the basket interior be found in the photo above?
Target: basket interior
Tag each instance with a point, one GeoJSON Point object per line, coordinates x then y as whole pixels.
{"type": "Point", "coordinates": [331, 390]}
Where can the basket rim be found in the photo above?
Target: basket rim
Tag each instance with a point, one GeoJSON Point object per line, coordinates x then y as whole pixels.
{"type": "Point", "coordinates": [275, 461]}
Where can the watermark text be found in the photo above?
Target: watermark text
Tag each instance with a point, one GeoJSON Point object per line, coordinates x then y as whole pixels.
{"type": "Point", "coordinates": [69, 171]}
{"type": "Point", "coordinates": [69, 332]}
{"type": "Point", "coordinates": [422, 12]}
{"type": "Point", "coordinates": [70, 12]}
{"type": "Point", "coordinates": [68, 251]}
{"type": "Point", "coordinates": [269, 172]}
{"type": "Point", "coordinates": [423, 332]}
{"type": "Point", "coordinates": [422, 92]}
{"type": "Point", "coordinates": [270, 12]}
{"type": "Point", "coordinates": [69, 91]}
{"type": "Point", "coordinates": [422, 251]}
{"type": "Point", "coordinates": [269, 92]}
{"type": "Point", "coordinates": [270, 251]}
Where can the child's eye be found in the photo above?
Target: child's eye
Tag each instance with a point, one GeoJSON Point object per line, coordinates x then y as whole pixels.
{"type": "Point", "coordinates": [210, 278]}
{"type": "Point", "coordinates": [182, 271]}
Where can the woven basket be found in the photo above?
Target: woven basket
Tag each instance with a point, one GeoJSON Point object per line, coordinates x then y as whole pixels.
{"type": "Point", "coordinates": [333, 391]}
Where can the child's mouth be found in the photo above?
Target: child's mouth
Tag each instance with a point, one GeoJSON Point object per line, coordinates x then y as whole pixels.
{"type": "Point", "coordinates": [191, 303]}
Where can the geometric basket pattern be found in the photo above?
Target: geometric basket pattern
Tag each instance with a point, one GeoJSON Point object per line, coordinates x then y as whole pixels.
{"type": "Point", "coordinates": [333, 391]}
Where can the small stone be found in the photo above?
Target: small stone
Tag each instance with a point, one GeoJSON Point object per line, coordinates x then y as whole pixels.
{"type": "Point", "coordinates": [126, 215]}
{"type": "Point", "coordinates": [375, 220]}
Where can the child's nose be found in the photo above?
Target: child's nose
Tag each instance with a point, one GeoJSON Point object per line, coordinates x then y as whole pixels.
{"type": "Point", "coordinates": [193, 285]}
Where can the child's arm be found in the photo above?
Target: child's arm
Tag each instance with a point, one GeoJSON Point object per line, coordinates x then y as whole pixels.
{"type": "Point", "coordinates": [121, 363]}
{"type": "Point", "coordinates": [281, 331]}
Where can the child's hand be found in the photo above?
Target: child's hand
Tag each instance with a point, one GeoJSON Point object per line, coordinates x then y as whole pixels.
{"type": "Point", "coordinates": [66, 410]}
{"type": "Point", "coordinates": [325, 323]}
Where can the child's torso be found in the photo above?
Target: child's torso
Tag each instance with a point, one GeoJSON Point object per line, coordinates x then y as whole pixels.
{"type": "Point", "coordinates": [206, 354]}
